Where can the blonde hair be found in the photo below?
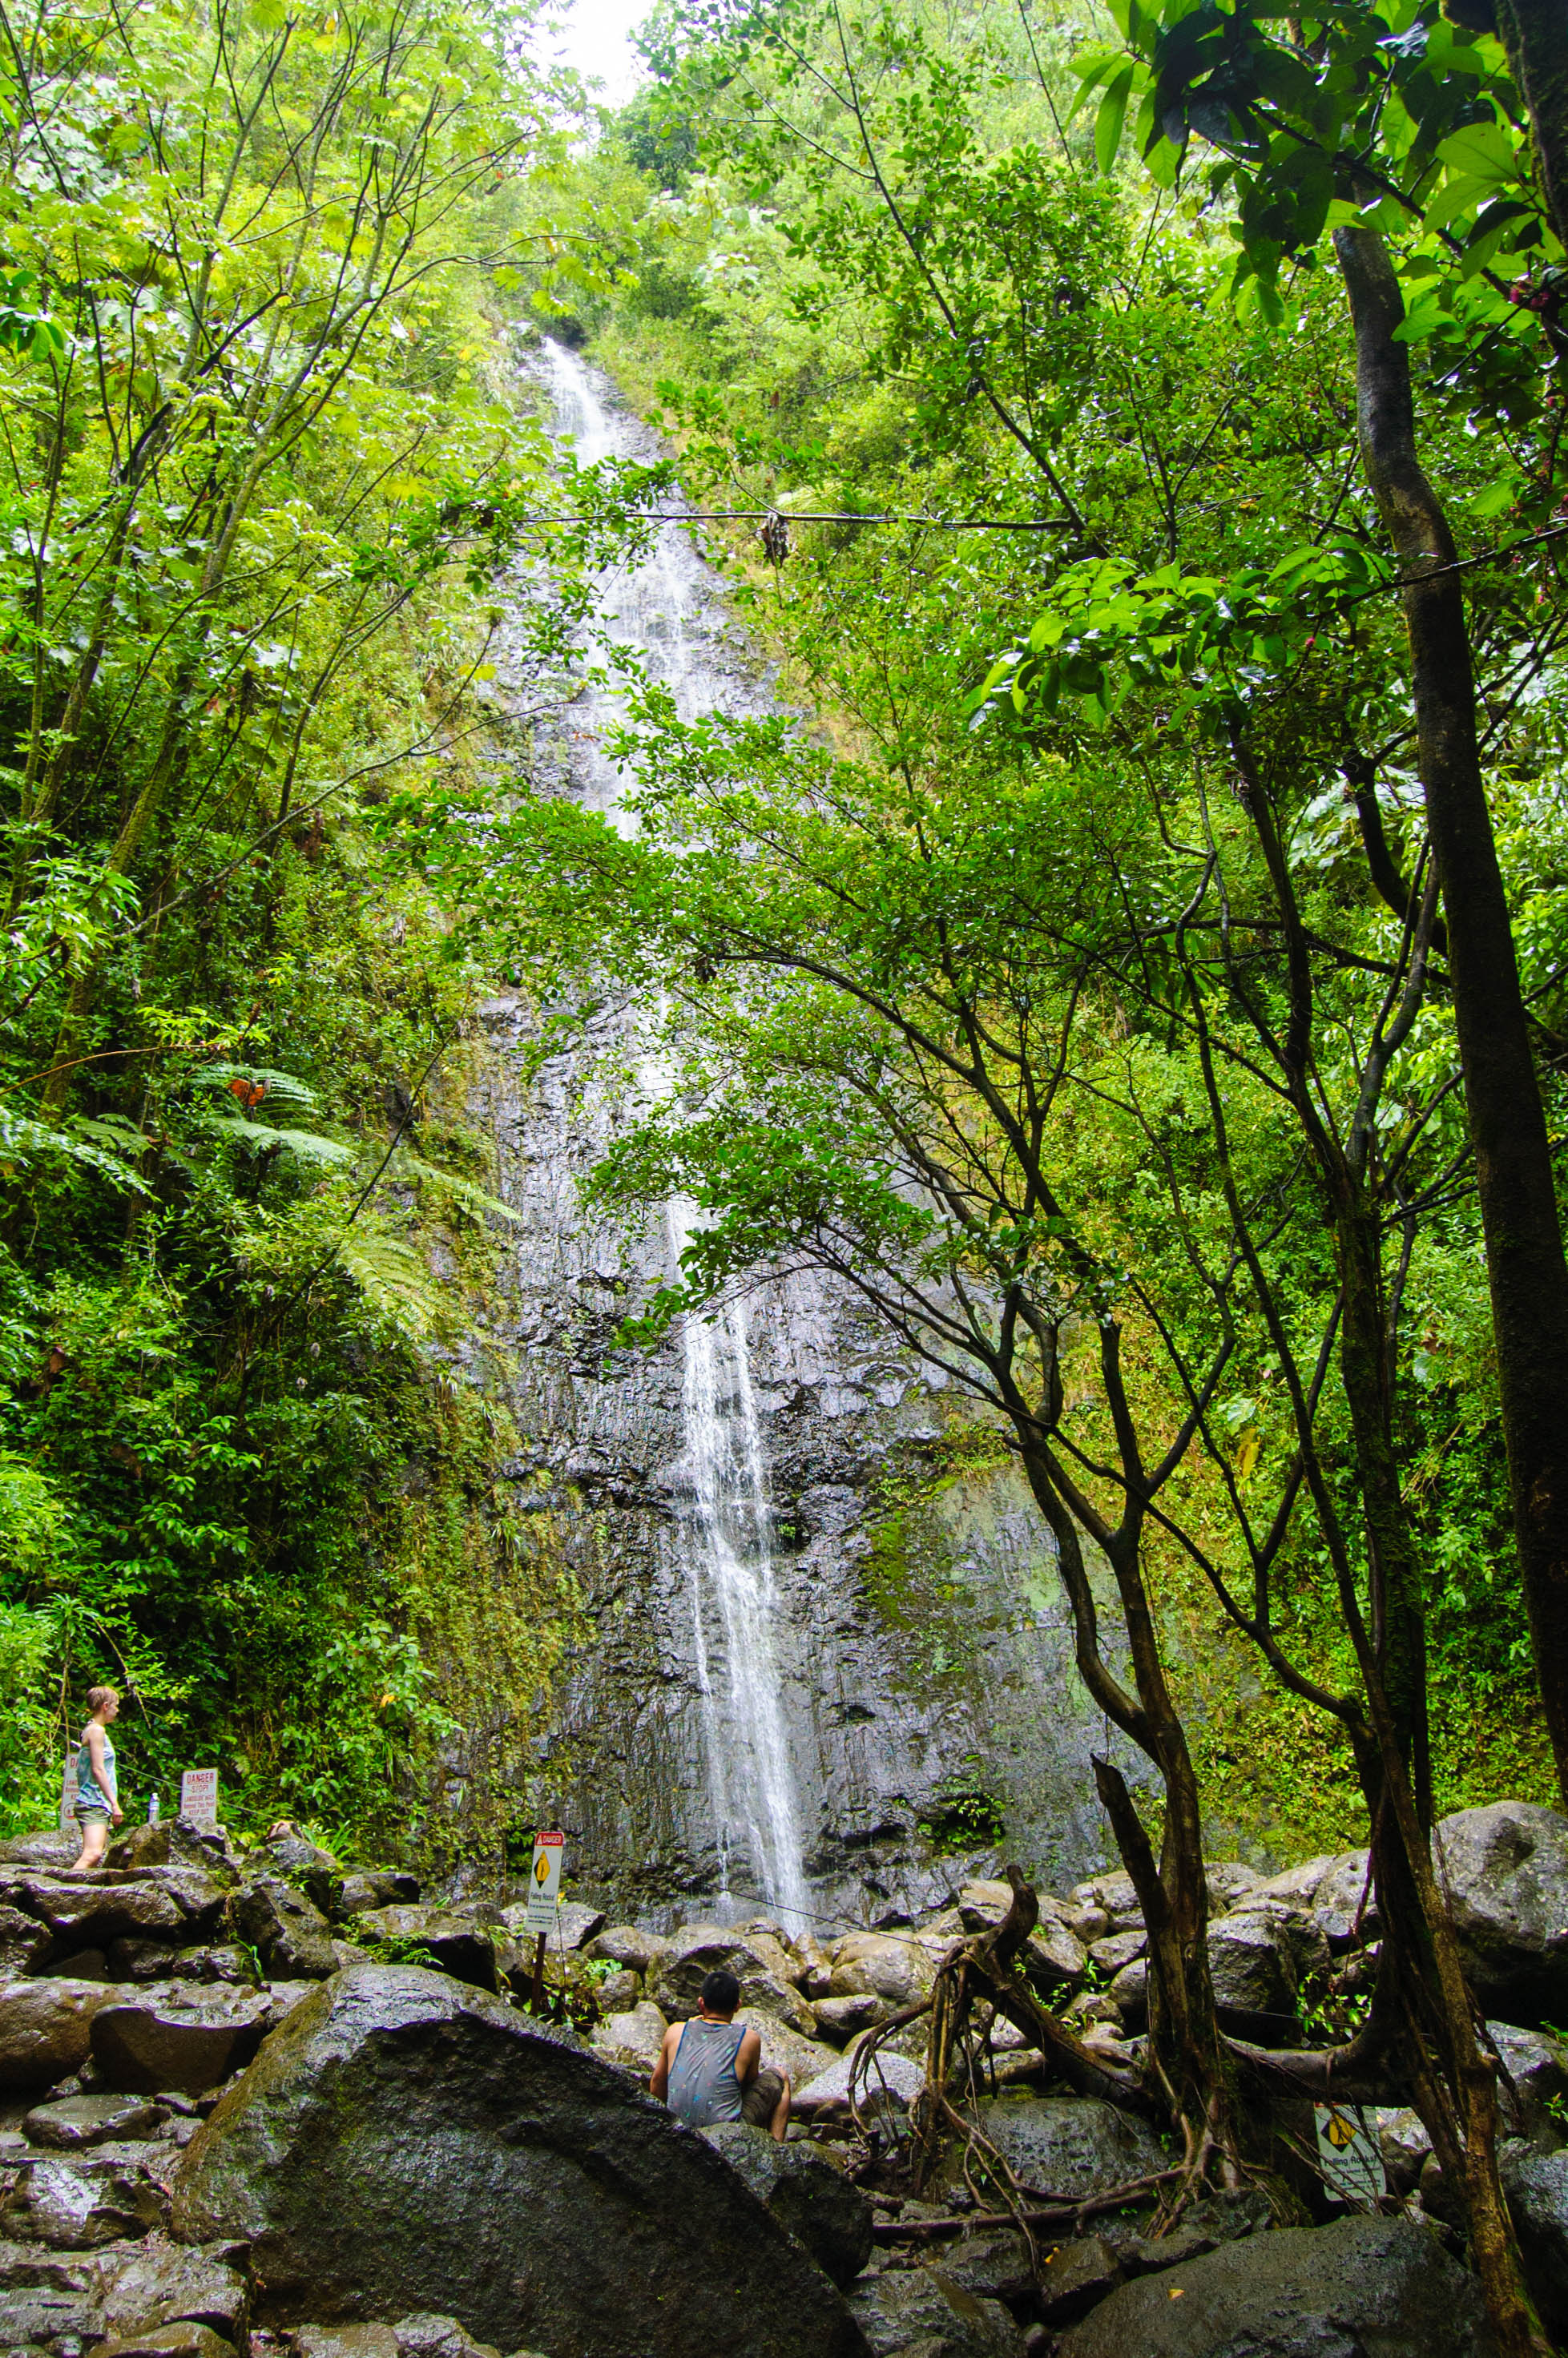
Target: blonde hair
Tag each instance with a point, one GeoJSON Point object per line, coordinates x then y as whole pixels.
{"type": "Point", "coordinates": [98, 1696]}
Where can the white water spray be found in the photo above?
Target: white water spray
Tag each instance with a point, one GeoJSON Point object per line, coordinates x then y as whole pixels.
{"type": "Point", "coordinates": [726, 1521]}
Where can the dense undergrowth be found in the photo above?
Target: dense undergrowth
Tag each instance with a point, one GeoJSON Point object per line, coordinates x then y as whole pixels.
{"type": "Point", "coordinates": [262, 451]}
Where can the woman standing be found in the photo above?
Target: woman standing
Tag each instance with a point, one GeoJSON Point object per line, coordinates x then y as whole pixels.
{"type": "Point", "coordinates": [97, 1795]}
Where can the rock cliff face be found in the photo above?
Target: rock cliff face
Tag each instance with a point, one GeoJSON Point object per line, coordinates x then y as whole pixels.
{"type": "Point", "coordinates": [825, 1662]}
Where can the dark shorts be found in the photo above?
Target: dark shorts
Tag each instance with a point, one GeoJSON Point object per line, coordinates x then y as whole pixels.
{"type": "Point", "coordinates": [760, 2100]}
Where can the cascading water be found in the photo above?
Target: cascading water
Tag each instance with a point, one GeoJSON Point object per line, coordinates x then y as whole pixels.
{"type": "Point", "coordinates": [725, 1516]}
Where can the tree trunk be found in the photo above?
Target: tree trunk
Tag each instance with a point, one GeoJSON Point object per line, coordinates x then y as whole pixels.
{"type": "Point", "coordinates": [1535, 35]}
{"type": "Point", "coordinates": [1528, 1273]}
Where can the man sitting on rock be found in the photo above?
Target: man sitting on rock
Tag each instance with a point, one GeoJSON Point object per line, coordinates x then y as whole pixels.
{"type": "Point", "coordinates": [709, 2071]}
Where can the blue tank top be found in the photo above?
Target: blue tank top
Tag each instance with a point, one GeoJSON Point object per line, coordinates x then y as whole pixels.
{"type": "Point", "coordinates": [703, 2084]}
{"type": "Point", "coordinates": [90, 1794]}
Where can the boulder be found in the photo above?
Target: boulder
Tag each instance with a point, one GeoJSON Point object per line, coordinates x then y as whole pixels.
{"type": "Point", "coordinates": [382, 1887]}
{"type": "Point", "coordinates": [618, 1991]}
{"type": "Point", "coordinates": [1298, 1886]}
{"type": "Point", "coordinates": [1374, 2287]}
{"type": "Point", "coordinates": [459, 1946]}
{"type": "Point", "coordinates": [575, 1924]}
{"type": "Point", "coordinates": [46, 2028]}
{"type": "Point", "coordinates": [1216, 2219]}
{"type": "Point", "coordinates": [1253, 1968]}
{"type": "Point", "coordinates": [1536, 2185]}
{"type": "Point", "coordinates": [633, 2040]}
{"type": "Point", "coordinates": [71, 2203]}
{"type": "Point", "coordinates": [898, 1970]}
{"type": "Point", "coordinates": [993, 2263]}
{"type": "Point", "coordinates": [1129, 1993]}
{"type": "Point", "coordinates": [1114, 1896]}
{"type": "Point", "coordinates": [89, 1911]}
{"type": "Point", "coordinates": [1118, 1949]}
{"type": "Point", "coordinates": [1344, 1905]}
{"type": "Point", "coordinates": [839, 2019]}
{"type": "Point", "coordinates": [1404, 2145]}
{"type": "Point", "coordinates": [47, 1850]}
{"type": "Point", "coordinates": [924, 2313]}
{"type": "Point", "coordinates": [161, 2283]}
{"type": "Point", "coordinates": [1076, 2276]}
{"type": "Point", "coordinates": [176, 1842]}
{"type": "Point", "coordinates": [225, 1962]}
{"type": "Point", "coordinates": [1231, 1884]}
{"type": "Point", "coordinates": [24, 1942]}
{"type": "Point", "coordinates": [36, 2317]}
{"type": "Point", "coordinates": [400, 2124]}
{"type": "Point", "coordinates": [1065, 2147]}
{"type": "Point", "coordinates": [1504, 1872]}
{"type": "Point", "coordinates": [186, 2340]}
{"type": "Point", "coordinates": [804, 2059]}
{"type": "Point", "coordinates": [627, 1944]}
{"type": "Point", "coordinates": [82, 1965]}
{"type": "Point", "coordinates": [76, 2121]}
{"type": "Point", "coordinates": [817, 2203]}
{"type": "Point", "coordinates": [345, 2341]}
{"type": "Point", "coordinates": [438, 2337]}
{"type": "Point", "coordinates": [676, 1979]}
{"type": "Point", "coordinates": [183, 2034]}
{"type": "Point", "coordinates": [293, 1859]}
{"type": "Point", "coordinates": [136, 1958]}
{"type": "Point", "coordinates": [894, 2082]}
{"type": "Point", "coordinates": [1537, 2079]}
{"type": "Point", "coordinates": [288, 1930]}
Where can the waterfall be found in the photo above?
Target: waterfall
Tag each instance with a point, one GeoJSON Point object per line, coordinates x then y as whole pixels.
{"type": "Point", "coordinates": [725, 1517]}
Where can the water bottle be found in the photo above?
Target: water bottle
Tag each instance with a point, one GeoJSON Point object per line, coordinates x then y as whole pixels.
{"type": "Point", "coordinates": [152, 1811]}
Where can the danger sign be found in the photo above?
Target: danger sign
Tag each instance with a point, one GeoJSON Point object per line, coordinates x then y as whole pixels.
{"type": "Point", "coordinates": [198, 1796]}
{"type": "Point", "coordinates": [544, 1882]}
{"type": "Point", "coordinates": [1348, 2153]}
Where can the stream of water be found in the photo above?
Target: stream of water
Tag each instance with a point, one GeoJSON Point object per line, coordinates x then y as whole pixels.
{"type": "Point", "coordinates": [724, 1509]}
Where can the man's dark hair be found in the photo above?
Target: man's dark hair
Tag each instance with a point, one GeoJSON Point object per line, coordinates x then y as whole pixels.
{"type": "Point", "coordinates": [720, 1993]}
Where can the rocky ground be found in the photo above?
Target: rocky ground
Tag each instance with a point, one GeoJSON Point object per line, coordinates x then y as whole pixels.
{"type": "Point", "coordinates": [263, 2108]}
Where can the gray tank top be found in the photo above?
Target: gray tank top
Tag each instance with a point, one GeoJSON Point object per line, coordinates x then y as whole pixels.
{"type": "Point", "coordinates": [703, 2085]}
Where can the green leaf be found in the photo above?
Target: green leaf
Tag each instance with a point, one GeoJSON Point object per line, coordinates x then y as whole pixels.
{"type": "Point", "coordinates": [1112, 114]}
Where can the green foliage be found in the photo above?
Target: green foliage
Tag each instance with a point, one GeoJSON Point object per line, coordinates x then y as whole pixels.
{"type": "Point", "coordinates": [899, 957]}
{"type": "Point", "coordinates": [264, 460]}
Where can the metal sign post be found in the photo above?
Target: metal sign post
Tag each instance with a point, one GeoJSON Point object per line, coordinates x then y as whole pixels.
{"type": "Point", "coordinates": [543, 1911]}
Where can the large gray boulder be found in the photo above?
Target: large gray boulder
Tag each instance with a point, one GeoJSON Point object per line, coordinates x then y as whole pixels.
{"type": "Point", "coordinates": [1251, 1961]}
{"type": "Point", "coordinates": [290, 1933]}
{"type": "Point", "coordinates": [758, 1962]}
{"type": "Point", "coordinates": [817, 2203]}
{"type": "Point", "coordinates": [460, 1944]}
{"type": "Point", "coordinates": [1534, 2100]}
{"type": "Point", "coordinates": [1067, 2148]}
{"type": "Point", "coordinates": [1504, 1872]}
{"type": "Point", "coordinates": [46, 2028]}
{"type": "Point", "coordinates": [78, 2122]}
{"type": "Point", "coordinates": [76, 2201]}
{"type": "Point", "coordinates": [161, 2283]}
{"type": "Point", "coordinates": [405, 2144]}
{"type": "Point", "coordinates": [1536, 2185]}
{"type": "Point", "coordinates": [1364, 2287]}
{"type": "Point", "coordinates": [892, 1966]}
{"type": "Point", "coordinates": [188, 2036]}
{"type": "Point", "coordinates": [925, 2313]}
{"type": "Point", "coordinates": [377, 1886]}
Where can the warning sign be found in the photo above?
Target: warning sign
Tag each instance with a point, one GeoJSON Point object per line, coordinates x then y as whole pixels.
{"type": "Point", "coordinates": [67, 1796]}
{"type": "Point", "coordinates": [544, 1882]}
{"type": "Point", "coordinates": [198, 1796]}
{"type": "Point", "coordinates": [1348, 2153]}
